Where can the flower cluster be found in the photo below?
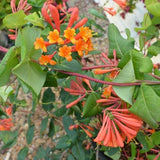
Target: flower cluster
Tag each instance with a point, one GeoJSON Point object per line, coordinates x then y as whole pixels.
{"type": "Point", "coordinates": [73, 39]}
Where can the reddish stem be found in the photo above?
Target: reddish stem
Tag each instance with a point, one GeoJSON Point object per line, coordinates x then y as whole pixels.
{"type": "Point", "coordinates": [100, 66]}
{"type": "Point", "coordinates": [139, 82]}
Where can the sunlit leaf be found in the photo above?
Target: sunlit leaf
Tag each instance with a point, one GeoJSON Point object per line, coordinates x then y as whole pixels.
{"type": "Point", "coordinates": [147, 105]}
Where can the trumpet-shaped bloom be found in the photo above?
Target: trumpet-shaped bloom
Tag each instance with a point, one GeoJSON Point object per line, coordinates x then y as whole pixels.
{"type": "Point", "coordinates": [65, 52]}
{"type": "Point", "coordinates": [69, 33]}
{"type": "Point", "coordinates": [118, 125]}
{"type": "Point", "coordinates": [121, 3]}
{"type": "Point", "coordinates": [85, 33]}
{"type": "Point", "coordinates": [83, 47]}
{"type": "Point", "coordinates": [110, 10]}
{"type": "Point", "coordinates": [6, 124]}
{"type": "Point", "coordinates": [45, 59]}
{"type": "Point", "coordinates": [80, 46]}
{"type": "Point", "coordinates": [40, 44]}
{"type": "Point", "coordinates": [54, 37]}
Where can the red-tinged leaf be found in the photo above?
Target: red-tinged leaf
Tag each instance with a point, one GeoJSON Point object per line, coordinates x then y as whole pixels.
{"type": "Point", "coordinates": [55, 15]}
{"type": "Point", "coordinates": [81, 23]}
{"type": "Point", "coordinates": [46, 17]}
{"type": "Point", "coordinates": [74, 17]}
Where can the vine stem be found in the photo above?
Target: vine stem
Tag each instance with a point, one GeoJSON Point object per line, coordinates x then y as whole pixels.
{"type": "Point", "coordinates": [100, 66]}
{"type": "Point", "coordinates": [137, 83]}
{"type": "Point", "coordinates": [97, 152]}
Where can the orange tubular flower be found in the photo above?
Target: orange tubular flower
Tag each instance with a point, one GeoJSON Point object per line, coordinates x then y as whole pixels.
{"type": "Point", "coordinates": [80, 46]}
{"type": "Point", "coordinates": [118, 125]}
{"type": "Point", "coordinates": [54, 37]}
{"type": "Point", "coordinates": [65, 52]}
{"type": "Point", "coordinates": [110, 10]}
{"type": "Point", "coordinates": [103, 71]}
{"type": "Point", "coordinates": [107, 91]}
{"type": "Point", "coordinates": [121, 3]}
{"type": "Point", "coordinates": [69, 33]}
{"type": "Point", "coordinates": [45, 59]}
{"type": "Point", "coordinates": [40, 44]}
{"type": "Point", "coordinates": [85, 33]}
{"type": "Point", "coordinates": [6, 124]}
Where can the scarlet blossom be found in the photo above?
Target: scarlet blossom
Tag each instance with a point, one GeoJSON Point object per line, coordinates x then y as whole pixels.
{"type": "Point", "coordinates": [6, 124]}
{"type": "Point", "coordinates": [45, 59]}
{"type": "Point", "coordinates": [22, 5]}
{"type": "Point", "coordinates": [118, 125]}
{"type": "Point", "coordinates": [54, 37]}
{"type": "Point", "coordinates": [121, 3]}
{"type": "Point", "coordinates": [76, 88]}
{"type": "Point", "coordinates": [69, 33]}
{"type": "Point", "coordinates": [65, 52]}
{"type": "Point", "coordinates": [110, 10]}
{"type": "Point", "coordinates": [40, 44]}
{"type": "Point", "coordinates": [85, 33]}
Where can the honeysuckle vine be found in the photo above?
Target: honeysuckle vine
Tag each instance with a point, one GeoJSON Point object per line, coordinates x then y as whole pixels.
{"type": "Point", "coordinates": [108, 101]}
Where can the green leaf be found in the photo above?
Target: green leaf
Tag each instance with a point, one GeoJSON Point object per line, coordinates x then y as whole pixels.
{"type": "Point", "coordinates": [96, 25]}
{"type": "Point", "coordinates": [5, 91]}
{"type": "Point", "coordinates": [64, 142]}
{"type": "Point", "coordinates": [68, 66]}
{"type": "Point", "coordinates": [152, 157]}
{"type": "Point", "coordinates": [30, 134]}
{"type": "Point", "coordinates": [60, 111]}
{"type": "Point", "coordinates": [91, 107]}
{"type": "Point", "coordinates": [15, 20]}
{"type": "Point", "coordinates": [70, 157]}
{"type": "Point", "coordinates": [35, 20]}
{"type": "Point", "coordinates": [44, 123]}
{"type": "Point", "coordinates": [9, 61]}
{"type": "Point", "coordinates": [48, 99]}
{"type": "Point", "coordinates": [117, 42]}
{"type": "Point", "coordinates": [147, 106]}
{"type": "Point", "coordinates": [67, 121]}
{"type": "Point", "coordinates": [154, 48]}
{"type": "Point", "coordinates": [31, 74]}
{"type": "Point", "coordinates": [9, 138]}
{"type": "Point", "coordinates": [145, 141]}
{"type": "Point", "coordinates": [78, 151]}
{"type": "Point", "coordinates": [28, 37]}
{"type": "Point", "coordinates": [146, 65]}
{"type": "Point", "coordinates": [146, 21]}
{"type": "Point", "coordinates": [40, 154]}
{"type": "Point", "coordinates": [113, 153]}
{"type": "Point", "coordinates": [96, 13]}
{"type": "Point", "coordinates": [127, 74]}
{"type": "Point", "coordinates": [133, 150]}
{"type": "Point", "coordinates": [155, 138]}
{"type": "Point", "coordinates": [23, 153]}
{"type": "Point", "coordinates": [153, 7]}
{"type": "Point", "coordinates": [95, 52]}
{"type": "Point", "coordinates": [51, 128]}
{"type": "Point", "coordinates": [51, 81]}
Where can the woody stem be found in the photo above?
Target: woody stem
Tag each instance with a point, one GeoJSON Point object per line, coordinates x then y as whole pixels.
{"type": "Point", "coordinates": [137, 83]}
